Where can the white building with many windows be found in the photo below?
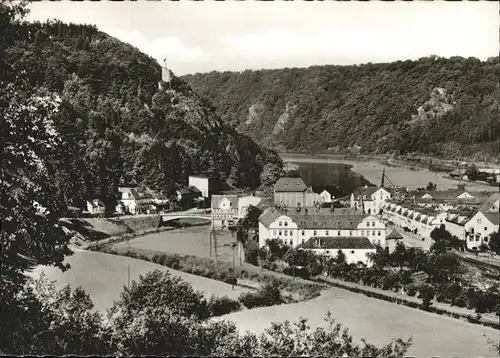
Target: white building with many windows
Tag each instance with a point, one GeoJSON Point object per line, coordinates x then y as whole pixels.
{"type": "Point", "coordinates": [296, 228]}
{"type": "Point", "coordinates": [355, 249]}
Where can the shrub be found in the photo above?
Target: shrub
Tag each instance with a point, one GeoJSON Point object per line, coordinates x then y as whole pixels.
{"type": "Point", "coordinates": [268, 295]}
{"type": "Point", "coordinates": [156, 259]}
{"type": "Point", "coordinates": [426, 293]}
{"type": "Point", "coordinates": [441, 297]}
{"type": "Point", "coordinates": [411, 290]}
{"type": "Point", "coordinates": [219, 306]}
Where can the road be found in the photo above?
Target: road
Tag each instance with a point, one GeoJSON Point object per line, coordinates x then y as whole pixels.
{"type": "Point", "coordinates": [413, 240]}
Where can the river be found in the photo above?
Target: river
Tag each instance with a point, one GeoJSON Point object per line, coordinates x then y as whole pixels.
{"type": "Point", "coordinates": [342, 177]}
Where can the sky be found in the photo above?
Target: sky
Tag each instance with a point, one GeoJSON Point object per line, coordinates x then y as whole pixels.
{"type": "Point", "coordinates": [218, 36]}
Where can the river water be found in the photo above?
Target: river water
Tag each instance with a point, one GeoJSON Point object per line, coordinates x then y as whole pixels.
{"type": "Point", "coordinates": [341, 177]}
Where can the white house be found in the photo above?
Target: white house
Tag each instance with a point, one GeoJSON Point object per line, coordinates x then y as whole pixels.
{"type": "Point", "coordinates": [370, 199]}
{"type": "Point", "coordinates": [224, 210]}
{"type": "Point", "coordinates": [325, 197]}
{"type": "Point", "coordinates": [294, 228]}
{"type": "Point", "coordinates": [244, 202]}
{"type": "Point", "coordinates": [479, 228]}
{"type": "Point", "coordinates": [95, 207]}
{"type": "Point", "coordinates": [355, 249]}
{"type": "Point", "coordinates": [135, 200]}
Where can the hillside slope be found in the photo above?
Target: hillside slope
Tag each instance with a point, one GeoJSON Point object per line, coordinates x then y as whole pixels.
{"type": "Point", "coordinates": [442, 107]}
{"type": "Point", "coordinates": [116, 126]}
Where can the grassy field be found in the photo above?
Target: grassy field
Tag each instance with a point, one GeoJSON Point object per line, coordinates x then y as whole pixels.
{"type": "Point", "coordinates": [103, 276]}
{"type": "Point", "coordinates": [377, 321]}
{"type": "Point", "coordinates": [190, 241]}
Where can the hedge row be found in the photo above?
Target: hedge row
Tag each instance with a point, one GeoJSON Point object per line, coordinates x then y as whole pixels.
{"type": "Point", "coordinates": [98, 245]}
{"type": "Point", "coordinates": [220, 271]}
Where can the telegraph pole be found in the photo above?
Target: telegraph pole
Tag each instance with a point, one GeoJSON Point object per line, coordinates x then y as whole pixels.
{"type": "Point", "coordinates": [128, 276]}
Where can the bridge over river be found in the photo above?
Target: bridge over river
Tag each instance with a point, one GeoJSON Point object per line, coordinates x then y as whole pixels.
{"type": "Point", "coordinates": [185, 215]}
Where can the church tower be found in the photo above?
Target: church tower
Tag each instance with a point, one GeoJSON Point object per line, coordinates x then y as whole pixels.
{"type": "Point", "coordinates": [165, 76]}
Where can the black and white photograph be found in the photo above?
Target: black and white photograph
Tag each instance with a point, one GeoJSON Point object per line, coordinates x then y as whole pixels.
{"type": "Point", "coordinates": [250, 178]}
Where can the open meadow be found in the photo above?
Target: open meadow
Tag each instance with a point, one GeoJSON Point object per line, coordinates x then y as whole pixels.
{"type": "Point", "coordinates": [189, 241]}
{"type": "Point", "coordinates": [378, 321]}
{"type": "Point", "coordinates": [103, 276]}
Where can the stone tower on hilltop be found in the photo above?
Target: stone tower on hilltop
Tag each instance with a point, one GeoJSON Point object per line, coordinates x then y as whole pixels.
{"type": "Point", "coordinates": [165, 76]}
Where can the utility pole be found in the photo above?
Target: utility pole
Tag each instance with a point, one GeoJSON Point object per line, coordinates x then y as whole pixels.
{"type": "Point", "coordinates": [234, 274]}
{"type": "Point", "coordinates": [128, 276]}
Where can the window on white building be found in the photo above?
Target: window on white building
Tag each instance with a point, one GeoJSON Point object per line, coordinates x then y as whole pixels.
{"type": "Point", "coordinates": [378, 233]}
{"type": "Point", "coordinates": [326, 232]}
{"type": "Point", "coordinates": [338, 233]}
{"type": "Point", "coordinates": [350, 233]}
{"type": "Point", "coordinates": [485, 228]}
{"type": "Point", "coordinates": [362, 232]}
{"type": "Point", "coordinates": [286, 232]}
{"type": "Point", "coordinates": [477, 238]}
{"type": "Point", "coordinates": [479, 221]}
{"type": "Point", "coordinates": [280, 233]}
{"type": "Point", "coordinates": [281, 223]}
{"type": "Point", "coordinates": [303, 241]}
{"type": "Point", "coordinates": [485, 239]}
{"type": "Point", "coordinates": [352, 251]}
{"type": "Point", "coordinates": [327, 251]}
{"type": "Point", "coordinates": [314, 232]}
{"type": "Point", "coordinates": [286, 223]}
{"type": "Point", "coordinates": [303, 232]}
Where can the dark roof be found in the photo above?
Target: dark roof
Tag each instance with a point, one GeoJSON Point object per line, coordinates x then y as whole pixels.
{"type": "Point", "coordinates": [322, 221]}
{"type": "Point", "coordinates": [338, 242]}
{"type": "Point", "coordinates": [290, 185]}
{"type": "Point", "coordinates": [488, 203]}
{"type": "Point", "coordinates": [394, 235]}
{"type": "Point", "coordinates": [494, 218]}
{"type": "Point", "coordinates": [96, 203]}
{"type": "Point", "coordinates": [188, 190]}
{"type": "Point", "coordinates": [216, 199]}
{"type": "Point", "coordinates": [267, 217]}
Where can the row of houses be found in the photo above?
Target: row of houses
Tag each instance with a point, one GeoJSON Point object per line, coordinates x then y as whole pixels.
{"type": "Point", "coordinates": [470, 222]}
{"type": "Point", "coordinates": [135, 199]}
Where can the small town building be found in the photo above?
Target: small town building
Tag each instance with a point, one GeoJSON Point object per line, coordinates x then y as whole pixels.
{"type": "Point", "coordinates": [136, 200]}
{"type": "Point", "coordinates": [491, 204]}
{"type": "Point", "coordinates": [325, 197]}
{"type": "Point", "coordinates": [187, 196]}
{"type": "Point", "coordinates": [294, 193]}
{"type": "Point", "coordinates": [95, 207]}
{"type": "Point", "coordinates": [208, 185]}
{"type": "Point", "coordinates": [224, 210]}
{"type": "Point", "coordinates": [356, 249]}
{"type": "Point", "coordinates": [392, 239]}
{"type": "Point", "coordinates": [295, 228]}
{"type": "Point", "coordinates": [479, 228]}
{"type": "Point", "coordinates": [370, 199]}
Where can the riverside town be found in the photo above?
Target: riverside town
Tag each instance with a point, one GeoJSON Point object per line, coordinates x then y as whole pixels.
{"type": "Point", "coordinates": [242, 179]}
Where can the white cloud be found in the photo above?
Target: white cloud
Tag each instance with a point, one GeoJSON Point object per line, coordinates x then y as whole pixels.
{"type": "Point", "coordinates": [159, 48]}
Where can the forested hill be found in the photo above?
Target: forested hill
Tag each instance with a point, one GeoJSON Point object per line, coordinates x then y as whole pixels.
{"type": "Point", "coordinates": [117, 126]}
{"type": "Point", "coordinates": [438, 106]}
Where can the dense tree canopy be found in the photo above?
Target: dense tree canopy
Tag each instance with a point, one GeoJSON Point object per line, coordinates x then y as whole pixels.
{"type": "Point", "coordinates": [116, 126]}
{"type": "Point", "coordinates": [440, 106]}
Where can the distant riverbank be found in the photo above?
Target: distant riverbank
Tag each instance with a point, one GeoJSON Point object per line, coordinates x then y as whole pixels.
{"type": "Point", "coordinates": [399, 173]}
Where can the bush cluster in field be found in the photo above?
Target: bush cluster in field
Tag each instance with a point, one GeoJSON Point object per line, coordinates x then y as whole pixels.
{"type": "Point", "coordinates": [221, 271]}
